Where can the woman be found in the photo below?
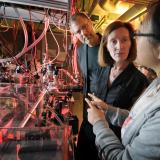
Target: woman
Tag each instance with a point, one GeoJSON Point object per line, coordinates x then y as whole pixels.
{"type": "Point", "coordinates": [118, 81]}
{"type": "Point", "coordinates": [140, 127]}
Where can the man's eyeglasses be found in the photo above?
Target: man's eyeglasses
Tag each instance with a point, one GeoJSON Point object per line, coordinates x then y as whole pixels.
{"type": "Point", "coordinates": [138, 34]}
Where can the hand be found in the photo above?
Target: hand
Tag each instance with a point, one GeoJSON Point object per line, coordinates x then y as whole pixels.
{"type": "Point", "coordinates": [94, 114]}
{"type": "Point", "coordinates": [98, 102]}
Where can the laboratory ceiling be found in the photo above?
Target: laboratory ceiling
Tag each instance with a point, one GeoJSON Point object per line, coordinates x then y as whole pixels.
{"type": "Point", "coordinates": [103, 12]}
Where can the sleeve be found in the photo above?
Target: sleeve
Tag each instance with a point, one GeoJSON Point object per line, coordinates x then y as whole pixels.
{"type": "Point", "coordinates": [138, 87]}
{"type": "Point", "coordinates": [116, 116]}
{"type": "Point", "coordinates": [78, 58]}
{"type": "Point", "coordinates": [96, 82]}
{"type": "Point", "coordinates": [79, 65]}
{"type": "Point", "coordinates": [78, 55]}
{"type": "Point", "coordinates": [145, 144]}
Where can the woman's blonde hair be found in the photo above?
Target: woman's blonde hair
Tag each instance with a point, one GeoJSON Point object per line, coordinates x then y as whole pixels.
{"type": "Point", "coordinates": [104, 57]}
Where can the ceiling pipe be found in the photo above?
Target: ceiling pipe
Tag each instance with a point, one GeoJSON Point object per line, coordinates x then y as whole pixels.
{"type": "Point", "coordinates": [132, 12]}
{"type": "Point", "coordinates": [94, 3]}
{"type": "Point", "coordinates": [83, 3]}
{"type": "Point", "coordinates": [141, 2]}
{"type": "Point", "coordinates": [132, 19]}
{"type": "Point", "coordinates": [108, 5]}
{"type": "Point", "coordinates": [97, 26]}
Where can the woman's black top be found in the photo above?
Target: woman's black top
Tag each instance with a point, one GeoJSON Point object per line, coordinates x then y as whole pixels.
{"type": "Point", "coordinates": [124, 90]}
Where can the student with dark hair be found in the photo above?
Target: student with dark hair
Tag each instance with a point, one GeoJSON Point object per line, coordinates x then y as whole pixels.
{"type": "Point", "coordinates": [141, 126]}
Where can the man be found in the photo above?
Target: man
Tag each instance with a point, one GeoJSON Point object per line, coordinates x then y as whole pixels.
{"type": "Point", "coordinates": [81, 26]}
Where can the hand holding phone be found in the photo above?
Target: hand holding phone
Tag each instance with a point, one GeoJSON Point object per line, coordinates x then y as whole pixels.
{"type": "Point", "coordinates": [94, 113]}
